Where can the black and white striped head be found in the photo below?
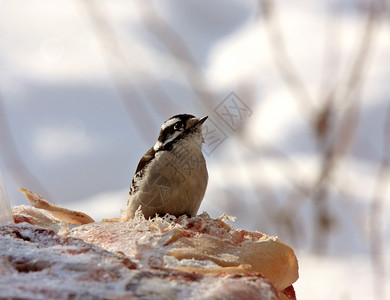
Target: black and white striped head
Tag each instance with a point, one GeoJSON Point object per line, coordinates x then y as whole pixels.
{"type": "Point", "coordinates": [177, 128]}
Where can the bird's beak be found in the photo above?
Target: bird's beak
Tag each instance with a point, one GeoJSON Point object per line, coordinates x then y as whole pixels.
{"type": "Point", "coordinates": [195, 122]}
{"type": "Point", "coordinates": [201, 120]}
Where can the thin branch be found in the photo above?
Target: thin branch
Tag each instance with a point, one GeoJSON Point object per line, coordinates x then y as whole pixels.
{"type": "Point", "coordinates": [373, 18]}
{"type": "Point", "coordinates": [338, 137]}
{"type": "Point", "coordinates": [273, 151]}
{"type": "Point", "coordinates": [120, 70]}
{"type": "Point", "coordinates": [330, 70]}
{"type": "Point", "coordinates": [179, 49]}
{"type": "Point", "coordinates": [332, 138]}
{"type": "Point", "coordinates": [282, 59]}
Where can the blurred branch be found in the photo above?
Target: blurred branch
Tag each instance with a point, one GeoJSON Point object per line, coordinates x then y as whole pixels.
{"type": "Point", "coordinates": [338, 145]}
{"type": "Point", "coordinates": [12, 159]}
{"type": "Point", "coordinates": [121, 74]}
{"type": "Point", "coordinates": [330, 68]}
{"type": "Point", "coordinates": [334, 123]}
{"type": "Point", "coordinates": [332, 101]}
{"type": "Point", "coordinates": [275, 152]}
{"type": "Point", "coordinates": [164, 33]}
{"type": "Point", "coordinates": [335, 139]}
{"type": "Point", "coordinates": [284, 216]}
{"type": "Point", "coordinates": [376, 213]}
{"type": "Point", "coordinates": [282, 59]}
{"type": "Point", "coordinates": [374, 16]}
{"type": "Point", "coordinates": [318, 120]}
{"type": "Point", "coordinates": [361, 57]}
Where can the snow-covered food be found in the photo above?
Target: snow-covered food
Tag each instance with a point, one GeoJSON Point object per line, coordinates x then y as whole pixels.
{"type": "Point", "coordinates": [199, 244]}
{"type": "Point", "coordinates": [207, 249]}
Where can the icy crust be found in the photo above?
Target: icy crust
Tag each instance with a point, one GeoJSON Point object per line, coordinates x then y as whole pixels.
{"type": "Point", "coordinates": [140, 238]}
{"type": "Point", "coordinates": [36, 263]}
{"type": "Point", "coordinates": [148, 242]}
{"type": "Point", "coordinates": [202, 249]}
{"type": "Point", "coordinates": [200, 245]}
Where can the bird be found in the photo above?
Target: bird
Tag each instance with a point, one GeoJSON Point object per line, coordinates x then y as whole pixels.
{"type": "Point", "coordinates": [171, 178]}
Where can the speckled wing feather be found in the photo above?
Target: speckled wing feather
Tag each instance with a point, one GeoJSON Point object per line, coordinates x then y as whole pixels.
{"type": "Point", "coordinates": [145, 160]}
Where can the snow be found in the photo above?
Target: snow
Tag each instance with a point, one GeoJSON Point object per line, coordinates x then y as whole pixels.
{"type": "Point", "coordinates": [340, 277]}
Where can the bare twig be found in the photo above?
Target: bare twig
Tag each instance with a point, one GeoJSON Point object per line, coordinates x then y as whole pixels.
{"type": "Point", "coordinates": [282, 59]}
{"type": "Point", "coordinates": [179, 49]}
{"type": "Point", "coordinates": [340, 136]}
{"type": "Point", "coordinates": [359, 65]}
{"type": "Point", "coordinates": [125, 82]}
{"type": "Point", "coordinates": [333, 137]}
{"type": "Point", "coordinates": [330, 81]}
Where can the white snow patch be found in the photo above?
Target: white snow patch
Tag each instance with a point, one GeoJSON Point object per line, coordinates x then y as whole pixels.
{"type": "Point", "coordinates": [324, 278]}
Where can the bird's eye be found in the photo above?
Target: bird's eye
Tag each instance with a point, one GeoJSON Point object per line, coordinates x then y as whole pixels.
{"type": "Point", "coordinates": [178, 125]}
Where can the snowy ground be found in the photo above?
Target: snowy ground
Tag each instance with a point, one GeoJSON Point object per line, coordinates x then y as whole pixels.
{"type": "Point", "coordinates": [346, 277]}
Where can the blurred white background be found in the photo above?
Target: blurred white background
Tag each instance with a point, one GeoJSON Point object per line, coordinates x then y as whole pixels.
{"type": "Point", "coordinates": [297, 94]}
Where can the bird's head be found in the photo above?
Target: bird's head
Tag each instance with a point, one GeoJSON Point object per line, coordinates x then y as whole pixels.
{"type": "Point", "coordinates": [178, 128]}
